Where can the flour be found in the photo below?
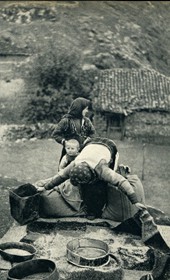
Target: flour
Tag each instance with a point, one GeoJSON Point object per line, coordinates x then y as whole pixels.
{"type": "Point", "coordinates": [18, 252]}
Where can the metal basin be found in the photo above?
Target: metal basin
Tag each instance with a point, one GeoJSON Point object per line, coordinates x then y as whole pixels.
{"type": "Point", "coordinates": [17, 251]}
{"type": "Point", "coordinates": [39, 269]}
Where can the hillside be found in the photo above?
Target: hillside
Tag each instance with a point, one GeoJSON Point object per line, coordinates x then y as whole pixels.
{"type": "Point", "coordinates": [51, 51]}
{"type": "Point", "coordinates": [107, 34]}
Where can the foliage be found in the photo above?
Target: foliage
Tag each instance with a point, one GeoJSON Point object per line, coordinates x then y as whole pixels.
{"type": "Point", "coordinates": [55, 78]}
{"type": "Point", "coordinates": [42, 107]}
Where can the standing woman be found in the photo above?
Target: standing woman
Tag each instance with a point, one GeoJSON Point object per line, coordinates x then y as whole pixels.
{"type": "Point", "coordinates": [75, 124]}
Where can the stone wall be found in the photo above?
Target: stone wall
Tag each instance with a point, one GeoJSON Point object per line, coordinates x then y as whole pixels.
{"type": "Point", "coordinates": [100, 123]}
{"type": "Point", "coordinates": [151, 127]}
{"type": "Point", "coordinates": [11, 99]}
{"type": "Point", "coordinates": [12, 86]}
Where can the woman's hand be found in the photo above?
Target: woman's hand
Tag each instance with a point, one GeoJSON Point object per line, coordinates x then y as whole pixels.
{"type": "Point", "coordinates": [123, 170]}
{"type": "Point", "coordinates": [40, 189]}
{"type": "Point", "coordinates": [140, 206]}
{"type": "Point", "coordinates": [86, 140]}
{"type": "Point", "coordinates": [63, 141]}
{"type": "Point", "coordinates": [41, 183]}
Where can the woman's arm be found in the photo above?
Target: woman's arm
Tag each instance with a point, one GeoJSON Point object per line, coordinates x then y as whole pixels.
{"type": "Point", "coordinates": [56, 180]}
{"type": "Point", "coordinates": [59, 133]}
{"type": "Point", "coordinates": [115, 179]}
{"type": "Point", "coordinates": [63, 163]}
{"type": "Point", "coordinates": [48, 184]}
{"type": "Point", "coordinates": [90, 127]}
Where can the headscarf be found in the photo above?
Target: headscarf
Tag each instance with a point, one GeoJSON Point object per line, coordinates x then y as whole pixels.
{"type": "Point", "coordinates": [77, 106]}
{"type": "Point", "coordinates": [82, 174]}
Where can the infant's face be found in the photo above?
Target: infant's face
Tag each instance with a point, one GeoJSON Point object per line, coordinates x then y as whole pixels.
{"type": "Point", "coordinates": [71, 149]}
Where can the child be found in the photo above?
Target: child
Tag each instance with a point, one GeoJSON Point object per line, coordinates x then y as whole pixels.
{"type": "Point", "coordinates": [75, 124]}
{"type": "Point", "coordinates": [72, 147]}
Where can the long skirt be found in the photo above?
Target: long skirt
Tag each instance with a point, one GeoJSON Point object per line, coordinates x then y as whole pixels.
{"type": "Point", "coordinates": [119, 207]}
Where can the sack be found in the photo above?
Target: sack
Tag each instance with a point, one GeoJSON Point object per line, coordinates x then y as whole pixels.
{"type": "Point", "coordinates": [24, 203]}
{"type": "Point", "coordinates": [119, 208]}
{"type": "Point", "coordinates": [53, 205]}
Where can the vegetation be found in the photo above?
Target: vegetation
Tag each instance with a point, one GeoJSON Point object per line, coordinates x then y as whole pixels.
{"type": "Point", "coordinates": [59, 78]}
{"type": "Point", "coordinates": [64, 38]}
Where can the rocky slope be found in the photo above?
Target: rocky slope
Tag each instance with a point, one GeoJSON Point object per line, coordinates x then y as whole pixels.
{"type": "Point", "coordinates": [106, 33]}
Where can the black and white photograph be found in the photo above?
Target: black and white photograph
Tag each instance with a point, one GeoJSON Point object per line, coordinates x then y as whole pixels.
{"type": "Point", "coordinates": [84, 140]}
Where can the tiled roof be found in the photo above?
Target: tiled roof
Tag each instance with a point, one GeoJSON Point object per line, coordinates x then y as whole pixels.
{"type": "Point", "coordinates": [123, 90]}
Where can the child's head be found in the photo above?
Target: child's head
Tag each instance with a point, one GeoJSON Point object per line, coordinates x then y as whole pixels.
{"type": "Point", "coordinates": [72, 147]}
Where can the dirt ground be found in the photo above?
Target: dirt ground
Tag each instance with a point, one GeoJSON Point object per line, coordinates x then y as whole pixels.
{"type": "Point", "coordinates": [29, 161]}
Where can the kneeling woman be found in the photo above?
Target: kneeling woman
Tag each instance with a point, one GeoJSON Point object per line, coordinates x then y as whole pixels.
{"type": "Point", "coordinates": [93, 165]}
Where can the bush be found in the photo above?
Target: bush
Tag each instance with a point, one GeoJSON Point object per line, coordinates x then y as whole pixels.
{"type": "Point", "coordinates": [55, 78]}
{"type": "Point", "coordinates": [42, 108]}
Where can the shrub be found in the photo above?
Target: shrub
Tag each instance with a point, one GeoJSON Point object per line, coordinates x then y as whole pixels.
{"type": "Point", "coordinates": [55, 78]}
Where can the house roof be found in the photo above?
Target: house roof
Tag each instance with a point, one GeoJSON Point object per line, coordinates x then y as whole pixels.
{"type": "Point", "coordinates": [128, 90]}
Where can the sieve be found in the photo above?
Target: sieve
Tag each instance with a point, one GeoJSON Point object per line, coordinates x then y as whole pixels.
{"type": "Point", "coordinates": [86, 252]}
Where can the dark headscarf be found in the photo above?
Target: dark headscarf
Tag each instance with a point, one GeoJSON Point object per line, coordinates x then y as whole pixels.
{"type": "Point", "coordinates": [77, 106]}
{"type": "Point", "coordinates": [82, 174]}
